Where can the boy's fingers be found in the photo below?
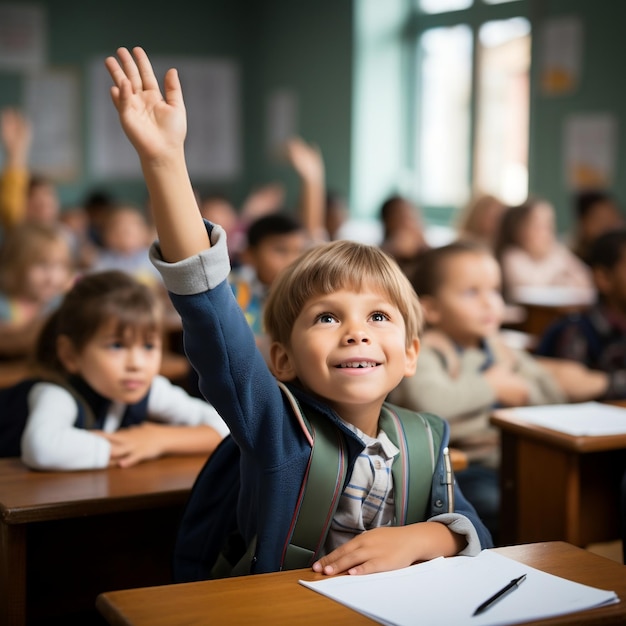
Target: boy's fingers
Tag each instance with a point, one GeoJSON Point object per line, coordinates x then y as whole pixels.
{"type": "Point", "coordinates": [115, 70]}
{"type": "Point", "coordinates": [129, 68]}
{"type": "Point", "coordinates": [147, 79]}
{"type": "Point", "coordinates": [173, 91]}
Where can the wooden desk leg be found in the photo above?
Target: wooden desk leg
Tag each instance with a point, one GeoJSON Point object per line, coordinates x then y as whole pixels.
{"type": "Point", "coordinates": [551, 494]}
{"type": "Point", "coordinates": [533, 477]}
{"type": "Point", "coordinates": [12, 574]}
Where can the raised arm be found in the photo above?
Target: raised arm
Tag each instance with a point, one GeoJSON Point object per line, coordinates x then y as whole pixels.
{"type": "Point", "coordinates": [16, 134]}
{"type": "Point", "coordinates": [156, 125]}
{"type": "Point", "coordinates": [308, 163]}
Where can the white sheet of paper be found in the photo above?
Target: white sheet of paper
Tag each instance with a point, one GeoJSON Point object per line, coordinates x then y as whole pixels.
{"type": "Point", "coordinates": [579, 419]}
{"type": "Point", "coordinates": [447, 591]}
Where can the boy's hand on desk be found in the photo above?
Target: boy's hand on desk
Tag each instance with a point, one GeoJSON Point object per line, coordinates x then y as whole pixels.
{"type": "Point", "coordinates": [510, 388]}
{"type": "Point", "coordinates": [390, 548]}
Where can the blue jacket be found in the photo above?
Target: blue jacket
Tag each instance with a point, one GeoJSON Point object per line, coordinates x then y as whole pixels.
{"type": "Point", "coordinates": [274, 452]}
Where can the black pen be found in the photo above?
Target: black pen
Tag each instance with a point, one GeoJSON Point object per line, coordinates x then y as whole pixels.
{"type": "Point", "coordinates": [505, 591]}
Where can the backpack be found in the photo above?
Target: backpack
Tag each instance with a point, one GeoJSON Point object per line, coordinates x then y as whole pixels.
{"type": "Point", "coordinates": [13, 416]}
{"type": "Point", "coordinates": [208, 544]}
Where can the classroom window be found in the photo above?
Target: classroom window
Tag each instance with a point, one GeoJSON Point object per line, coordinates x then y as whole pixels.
{"type": "Point", "coordinates": [501, 148]}
{"type": "Point", "coordinates": [471, 102]}
{"type": "Point", "coordinates": [441, 6]}
{"type": "Point", "coordinates": [444, 116]}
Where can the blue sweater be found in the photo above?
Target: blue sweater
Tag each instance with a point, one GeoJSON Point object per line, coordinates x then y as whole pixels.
{"type": "Point", "coordinates": [235, 379]}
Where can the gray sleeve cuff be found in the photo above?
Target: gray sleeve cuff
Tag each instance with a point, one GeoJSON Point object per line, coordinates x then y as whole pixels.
{"type": "Point", "coordinates": [461, 525]}
{"type": "Point", "coordinates": [199, 273]}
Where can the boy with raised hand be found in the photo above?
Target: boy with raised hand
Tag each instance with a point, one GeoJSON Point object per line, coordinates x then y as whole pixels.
{"type": "Point", "coordinates": [344, 325]}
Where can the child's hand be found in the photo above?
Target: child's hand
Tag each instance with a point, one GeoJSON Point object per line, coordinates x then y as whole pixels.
{"type": "Point", "coordinates": [130, 446]}
{"type": "Point", "coordinates": [577, 381]}
{"type": "Point", "coordinates": [154, 125]}
{"type": "Point", "coordinates": [305, 159]}
{"type": "Point", "coordinates": [389, 548]}
{"type": "Point", "coordinates": [17, 134]}
{"type": "Point", "coordinates": [510, 388]}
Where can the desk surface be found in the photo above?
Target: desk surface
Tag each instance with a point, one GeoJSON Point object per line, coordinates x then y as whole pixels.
{"type": "Point", "coordinates": [279, 599]}
{"type": "Point", "coordinates": [29, 496]}
{"type": "Point", "coordinates": [506, 419]}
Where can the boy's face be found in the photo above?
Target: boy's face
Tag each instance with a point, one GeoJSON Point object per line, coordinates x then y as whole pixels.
{"type": "Point", "coordinates": [120, 367]}
{"type": "Point", "coordinates": [611, 283]}
{"type": "Point", "coordinates": [602, 218]}
{"type": "Point", "coordinates": [125, 232]}
{"type": "Point", "coordinates": [349, 348]}
{"type": "Point", "coordinates": [274, 254]}
{"type": "Point", "coordinates": [468, 305]}
{"type": "Point", "coordinates": [50, 275]}
{"type": "Point", "coordinates": [537, 234]}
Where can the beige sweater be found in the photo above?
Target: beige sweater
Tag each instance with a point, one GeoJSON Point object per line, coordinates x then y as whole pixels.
{"type": "Point", "coordinates": [465, 399]}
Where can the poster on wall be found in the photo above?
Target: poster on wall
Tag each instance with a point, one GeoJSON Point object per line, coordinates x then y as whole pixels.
{"type": "Point", "coordinates": [22, 37]}
{"type": "Point", "coordinates": [281, 121]}
{"type": "Point", "coordinates": [560, 45]}
{"type": "Point", "coordinates": [590, 150]}
{"type": "Point", "coordinates": [51, 102]}
{"type": "Point", "coordinates": [212, 147]}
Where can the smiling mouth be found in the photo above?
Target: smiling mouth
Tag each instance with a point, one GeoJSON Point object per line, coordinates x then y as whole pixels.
{"type": "Point", "coordinates": [357, 365]}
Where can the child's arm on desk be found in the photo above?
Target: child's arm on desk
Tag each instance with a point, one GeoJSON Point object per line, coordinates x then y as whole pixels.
{"type": "Point", "coordinates": [389, 548]}
{"type": "Point", "coordinates": [157, 126]}
{"type": "Point", "coordinates": [130, 446]}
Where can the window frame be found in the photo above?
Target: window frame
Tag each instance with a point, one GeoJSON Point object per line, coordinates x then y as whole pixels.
{"type": "Point", "coordinates": [473, 17]}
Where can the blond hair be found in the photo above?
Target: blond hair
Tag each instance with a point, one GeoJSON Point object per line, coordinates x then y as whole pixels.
{"type": "Point", "coordinates": [24, 247]}
{"type": "Point", "coordinates": [330, 267]}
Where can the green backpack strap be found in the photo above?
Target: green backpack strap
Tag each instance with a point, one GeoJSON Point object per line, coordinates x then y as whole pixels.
{"type": "Point", "coordinates": [322, 484]}
{"type": "Point", "coordinates": [418, 439]}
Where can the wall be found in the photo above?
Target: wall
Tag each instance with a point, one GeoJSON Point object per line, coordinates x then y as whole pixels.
{"type": "Point", "coordinates": [304, 47]}
{"type": "Point", "coordinates": [343, 60]}
{"type": "Point", "coordinates": [601, 90]}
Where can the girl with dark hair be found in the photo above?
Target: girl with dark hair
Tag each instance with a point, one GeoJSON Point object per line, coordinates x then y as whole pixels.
{"type": "Point", "coordinates": [98, 399]}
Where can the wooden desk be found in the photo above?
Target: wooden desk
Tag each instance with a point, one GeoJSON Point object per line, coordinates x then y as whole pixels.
{"type": "Point", "coordinates": [556, 486]}
{"type": "Point", "coordinates": [278, 599]}
{"type": "Point", "coordinates": [13, 371]}
{"type": "Point", "coordinates": [544, 305]}
{"type": "Point", "coordinates": [67, 536]}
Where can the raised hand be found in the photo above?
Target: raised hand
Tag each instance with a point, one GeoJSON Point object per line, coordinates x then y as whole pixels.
{"type": "Point", "coordinates": [16, 133]}
{"type": "Point", "coordinates": [154, 124]}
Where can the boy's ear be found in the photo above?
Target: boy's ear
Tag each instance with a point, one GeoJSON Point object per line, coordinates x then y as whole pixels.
{"type": "Point", "coordinates": [412, 352]}
{"type": "Point", "coordinates": [430, 309]}
{"type": "Point", "coordinates": [67, 354]}
{"type": "Point", "coordinates": [281, 362]}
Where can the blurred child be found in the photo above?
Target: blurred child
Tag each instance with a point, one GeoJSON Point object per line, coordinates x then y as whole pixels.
{"type": "Point", "coordinates": [596, 212]}
{"type": "Point", "coordinates": [530, 254]}
{"type": "Point", "coordinates": [35, 271]}
{"type": "Point", "coordinates": [465, 369]}
{"type": "Point", "coordinates": [98, 400]}
{"type": "Point", "coordinates": [273, 242]}
{"type": "Point", "coordinates": [344, 323]}
{"type": "Point", "coordinates": [125, 238]}
{"type": "Point", "coordinates": [597, 336]}
{"type": "Point", "coordinates": [403, 232]}
{"type": "Point", "coordinates": [480, 220]}
{"type": "Point", "coordinates": [219, 209]}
